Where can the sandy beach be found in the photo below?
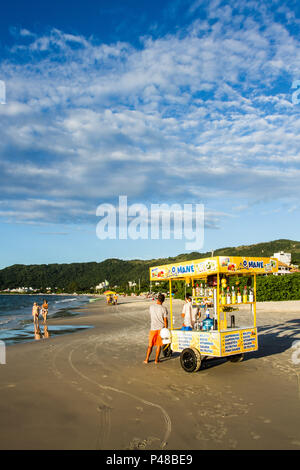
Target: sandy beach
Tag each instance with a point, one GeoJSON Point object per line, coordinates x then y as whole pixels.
{"type": "Point", "coordinates": [91, 390]}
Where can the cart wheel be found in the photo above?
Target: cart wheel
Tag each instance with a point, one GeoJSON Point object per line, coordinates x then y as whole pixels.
{"type": "Point", "coordinates": [236, 358]}
{"type": "Point", "coordinates": [190, 359]}
{"type": "Point", "coordinates": [167, 351]}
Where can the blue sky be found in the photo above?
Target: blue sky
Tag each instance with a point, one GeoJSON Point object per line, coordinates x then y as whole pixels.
{"type": "Point", "coordinates": [165, 102]}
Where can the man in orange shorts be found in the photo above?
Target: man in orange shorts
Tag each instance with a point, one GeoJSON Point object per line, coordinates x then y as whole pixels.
{"type": "Point", "coordinates": [159, 320]}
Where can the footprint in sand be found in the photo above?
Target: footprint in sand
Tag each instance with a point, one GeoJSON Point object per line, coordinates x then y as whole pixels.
{"type": "Point", "coordinates": [137, 443]}
{"type": "Point", "coordinates": [103, 408]}
{"type": "Point", "coordinates": [232, 443]}
{"type": "Point", "coordinates": [265, 420]}
{"type": "Point", "coordinates": [8, 386]}
{"type": "Point", "coordinates": [209, 431]}
{"type": "Point", "coordinates": [175, 398]}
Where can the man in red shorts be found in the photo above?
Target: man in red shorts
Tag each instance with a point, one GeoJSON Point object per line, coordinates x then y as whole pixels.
{"type": "Point", "coordinates": [159, 320]}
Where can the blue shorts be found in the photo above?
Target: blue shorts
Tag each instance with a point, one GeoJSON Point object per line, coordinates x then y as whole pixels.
{"type": "Point", "coordinates": [187, 328]}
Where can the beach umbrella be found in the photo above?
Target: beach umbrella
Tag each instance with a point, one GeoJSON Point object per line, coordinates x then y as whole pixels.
{"type": "Point", "coordinates": [109, 292]}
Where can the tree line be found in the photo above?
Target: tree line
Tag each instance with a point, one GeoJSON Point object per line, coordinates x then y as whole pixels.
{"type": "Point", "coordinates": [83, 277]}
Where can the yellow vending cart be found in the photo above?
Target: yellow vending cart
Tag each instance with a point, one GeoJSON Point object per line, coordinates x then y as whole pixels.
{"type": "Point", "coordinates": [209, 279]}
{"type": "Point", "coordinates": [111, 297]}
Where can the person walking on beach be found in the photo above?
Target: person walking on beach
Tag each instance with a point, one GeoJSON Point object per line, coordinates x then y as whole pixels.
{"type": "Point", "coordinates": [159, 320]}
{"type": "Point", "coordinates": [35, 314]}
{"type": "Point", "coordinates": [45, 310]}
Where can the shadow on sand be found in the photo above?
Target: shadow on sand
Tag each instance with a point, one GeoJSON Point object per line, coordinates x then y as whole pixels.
{"type": "Point", "coordinates": [276, 339]}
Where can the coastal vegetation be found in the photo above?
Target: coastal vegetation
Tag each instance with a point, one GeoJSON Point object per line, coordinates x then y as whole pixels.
{"type": "Point", "coordinates": [83, 277]}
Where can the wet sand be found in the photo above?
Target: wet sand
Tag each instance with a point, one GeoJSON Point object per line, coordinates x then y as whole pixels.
{"type": "Point", "coordinates": [91, 390]}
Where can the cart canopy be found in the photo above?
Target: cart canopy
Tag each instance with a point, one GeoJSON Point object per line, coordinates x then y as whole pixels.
{"type": "Point", "coordinates": [201, 268]}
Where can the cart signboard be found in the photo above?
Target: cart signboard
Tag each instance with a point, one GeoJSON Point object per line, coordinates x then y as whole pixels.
{"type": "Point", "coordinates": [185, 269]}
{"type": "Point", "coordinates": [237, 264]}
{"type": "Point", "coordinates": [207, 266]}
{"type": "Point", "coordinates": [207, 342]}
{"type": "Point", "coordinates": [239, 341]}
{"type": "Point", "coordinates": [215, 343]}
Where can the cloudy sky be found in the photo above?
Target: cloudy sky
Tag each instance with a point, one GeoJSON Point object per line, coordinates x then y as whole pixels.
{"type": "Point", "coordinates": [175, 101]}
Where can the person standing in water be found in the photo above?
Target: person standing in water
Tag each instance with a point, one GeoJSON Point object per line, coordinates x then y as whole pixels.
{"type": "Point", "coordinates": [159, 320]}
{"type": "Point", "coordinates": [45, 310]}
{"type": "Point", "coordinates": [35, 314]}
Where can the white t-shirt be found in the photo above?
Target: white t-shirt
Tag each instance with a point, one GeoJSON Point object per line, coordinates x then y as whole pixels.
{"type": "Point", "coordinates": [157, 315]}
{"type": "Point", "coordinates": [188, 314]}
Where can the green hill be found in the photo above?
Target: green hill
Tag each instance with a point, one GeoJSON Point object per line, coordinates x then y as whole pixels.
{"type": "Point", "coordinates": [83, 276]}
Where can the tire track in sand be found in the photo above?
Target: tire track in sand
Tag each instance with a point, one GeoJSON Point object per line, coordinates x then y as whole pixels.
{"type": "Point", "coordinates": [165, 415]}
{"type": "Point", "coordinates": [104, 408]}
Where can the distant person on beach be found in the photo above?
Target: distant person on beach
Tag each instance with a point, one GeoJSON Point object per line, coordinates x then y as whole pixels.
{"type": "Point", "coordinates": [159, 320]}
{"type": "Point", "coordinates": [45, 310]}
{"type": "Point", "coordinates": [35, 314]}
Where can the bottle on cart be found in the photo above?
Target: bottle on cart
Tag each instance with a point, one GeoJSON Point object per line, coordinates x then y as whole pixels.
{"type": "Point", "coordinates": [239, 296]}
{"type": "Point", "coordinates": [197, 290]}
{"type": "Point", "coordinates": [228, 296]}
{"type": "Point", "coordinates": [233, 296]}
{"type": "Point", "coordinates": [208, 323]}
{"type": "Point", "coordinates": [251, 295]}
{"type": "Point", "coordinates": [223, 297]}
{"type": "Point", "coordinates": [245, 295]}
{"type": "Point", "coordinates": [201, 290]}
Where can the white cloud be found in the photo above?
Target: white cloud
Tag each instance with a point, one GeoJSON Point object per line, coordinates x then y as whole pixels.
{"type": "Point", "coordinates": [185, 117]}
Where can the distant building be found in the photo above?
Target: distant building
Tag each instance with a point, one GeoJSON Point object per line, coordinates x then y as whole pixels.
{"type": "Point", "coordinates": [283, 257]}
{"type": "Point", "coordinates": [283, 268]}
{"type": "Point", "coordinates": [21, 290]}
{"type": "Point", "coordinates": [102, 285]}
{"type": "Point", "coordinates": [285, 265]}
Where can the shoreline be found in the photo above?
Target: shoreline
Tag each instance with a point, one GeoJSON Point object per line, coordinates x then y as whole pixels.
{"type": "Point", "coordinates": [45, 293]}
{"type": "Point", "coordinates": [79, 313]}
{"type": "Point", "coordinates": [20, 327]}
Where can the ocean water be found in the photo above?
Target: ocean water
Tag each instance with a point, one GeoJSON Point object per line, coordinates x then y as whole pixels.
{"type": "Point", "coordinates": [16, 323]}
